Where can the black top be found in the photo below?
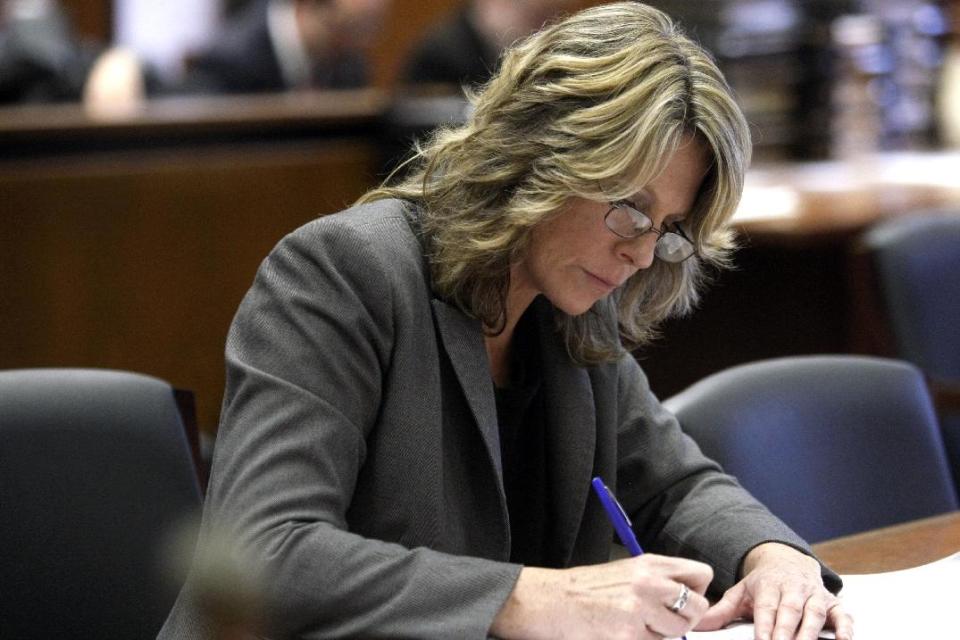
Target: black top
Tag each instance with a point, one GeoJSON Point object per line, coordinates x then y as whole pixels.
{"type": "Point", "coordinates": [522, 425]}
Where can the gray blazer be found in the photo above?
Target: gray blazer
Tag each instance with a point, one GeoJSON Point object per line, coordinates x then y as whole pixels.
{"type": "Point", "coordinates": [358, 455]}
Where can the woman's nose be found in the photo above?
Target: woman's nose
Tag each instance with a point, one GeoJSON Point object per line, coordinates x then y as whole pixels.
{"type": "Point", "coordinates": [639, 251]}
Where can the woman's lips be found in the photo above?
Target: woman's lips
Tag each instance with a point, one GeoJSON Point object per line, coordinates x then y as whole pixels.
{"type": "Point", "coordinates": [606, 284]}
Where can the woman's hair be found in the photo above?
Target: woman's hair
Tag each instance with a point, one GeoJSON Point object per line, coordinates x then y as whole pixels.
{"type": "Point", "coordinates": [591, 107]}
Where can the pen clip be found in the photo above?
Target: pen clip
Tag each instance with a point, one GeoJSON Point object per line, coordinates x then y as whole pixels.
{"type": "Point", "coordinates": [618, 517]}
{"type": "Point", "coordinates": [620, 508]}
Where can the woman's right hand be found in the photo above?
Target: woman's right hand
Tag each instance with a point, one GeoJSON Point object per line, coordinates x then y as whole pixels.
{"type": "Point", "coordinates": [628, 598]}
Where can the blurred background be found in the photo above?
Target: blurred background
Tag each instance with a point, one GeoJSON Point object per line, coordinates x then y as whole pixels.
{"type": "Point", "coordinates": [151, 154]}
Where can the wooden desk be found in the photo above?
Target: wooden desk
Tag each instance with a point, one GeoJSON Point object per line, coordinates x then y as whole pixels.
{"type": "Point", "coordinates": [893, 548]}
{"type": "Point", "coordinates": [803, 204]}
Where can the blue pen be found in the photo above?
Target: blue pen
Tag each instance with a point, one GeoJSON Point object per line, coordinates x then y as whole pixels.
{"type": "Point", "coordinates": [618, 517]}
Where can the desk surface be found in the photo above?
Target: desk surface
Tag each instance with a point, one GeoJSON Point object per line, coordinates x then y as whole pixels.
{"type": "Point", "coordinates": [892, 548]}
{"type": "Point", "coordinates": [803, 201]}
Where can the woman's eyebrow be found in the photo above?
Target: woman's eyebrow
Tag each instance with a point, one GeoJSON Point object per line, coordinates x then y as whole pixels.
{"type": "Point", "coordinates": [650, 198]}
{"type": "Point", "coordinates": [643, 196]}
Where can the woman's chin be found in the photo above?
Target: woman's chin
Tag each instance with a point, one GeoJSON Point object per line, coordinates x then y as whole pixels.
{"type": "Point", "coordinates": [577, 307]}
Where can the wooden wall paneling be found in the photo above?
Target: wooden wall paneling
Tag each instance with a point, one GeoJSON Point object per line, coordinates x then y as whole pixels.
{"type": "Point", "coordinates": [139, 262]}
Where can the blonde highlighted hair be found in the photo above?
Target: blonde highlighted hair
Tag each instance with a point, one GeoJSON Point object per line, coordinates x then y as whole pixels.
{"type": "Point", "coordinates": [593, 107]}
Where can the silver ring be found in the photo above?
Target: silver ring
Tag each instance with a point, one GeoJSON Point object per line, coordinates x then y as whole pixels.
{"type": "Point", "coordinates": [681, 601]}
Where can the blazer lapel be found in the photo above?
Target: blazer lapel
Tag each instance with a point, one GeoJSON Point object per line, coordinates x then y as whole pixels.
{"type": "Point", "coordinates": [462, 337]}
{"type": "Point", "coordinates": [571, 434]}
{"type": "Point", "coordinates": [569, 412]}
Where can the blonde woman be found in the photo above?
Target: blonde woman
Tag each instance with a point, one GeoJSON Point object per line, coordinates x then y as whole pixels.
{"type": "Point", "coordinates": [421, 388]}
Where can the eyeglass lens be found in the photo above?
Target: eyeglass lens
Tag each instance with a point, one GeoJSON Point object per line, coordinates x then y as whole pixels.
{"type": "Point", "coordinates": [627, 222]}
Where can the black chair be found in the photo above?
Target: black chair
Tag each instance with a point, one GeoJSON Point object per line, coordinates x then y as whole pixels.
{"type": "Point", "coordinates": [915, 263]}
{"type": "Point", "coordinates": [95, 474]}
{"type": "Point", "coordinates": [832, 445]}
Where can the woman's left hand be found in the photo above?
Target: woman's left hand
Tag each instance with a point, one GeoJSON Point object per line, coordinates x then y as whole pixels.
{"type": "Point", "coordinates": [783, 593]}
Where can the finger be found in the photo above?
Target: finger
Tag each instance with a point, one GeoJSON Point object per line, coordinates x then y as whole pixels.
{"type": "Point", "coordinates": [693, 609]}
{"type": "Point", "coordinates": [670, 625]}
{"type": "Point", "coordinates": [674, 624]}
{"type": "Point", "coordinates": [696, 575]}
{"type": "Point", "coordinates": [814, 618]}
{"type": "Point", "coordinates": [793, 609]}
{"type": "Point", "coordinates": [840, 621]}
{"type": "Point", "coordinates": [731, 606]}
{"type": "Point", "coordinates": [765, 613]}
{"type": "Point", "coordinates": [655, 607]}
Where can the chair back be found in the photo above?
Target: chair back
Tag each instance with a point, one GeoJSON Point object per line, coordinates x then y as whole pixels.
{"type": "Point", "coordinates": [95, 473]}
{"type": "Point", "coordinates": [914, 262]}
{"type": "Point", "coordinates": [832, 445]}
{"type": "Point", "coordinates": [916, 259]}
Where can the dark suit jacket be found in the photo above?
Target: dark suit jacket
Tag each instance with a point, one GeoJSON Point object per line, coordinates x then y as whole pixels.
{"type": "Point", "coordinates": [42, 59]}
{"type": "Point", "coordinates": [358, 455]}
{"type": "Point", "coordinates": [243, 60]}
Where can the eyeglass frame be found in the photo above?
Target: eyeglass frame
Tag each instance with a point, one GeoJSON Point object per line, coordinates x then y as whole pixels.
{"type": "Point", "coordinates": [634, 211]}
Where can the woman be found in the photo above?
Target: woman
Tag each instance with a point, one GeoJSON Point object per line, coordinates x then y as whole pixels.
{"type": "Point", "coordinates": [420, 388]}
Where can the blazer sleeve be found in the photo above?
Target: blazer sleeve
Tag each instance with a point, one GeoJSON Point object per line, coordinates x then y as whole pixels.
{"type": "Point", "coordinates": [305, 357]}
{"type": "Point", "coordinates": [681, 503]}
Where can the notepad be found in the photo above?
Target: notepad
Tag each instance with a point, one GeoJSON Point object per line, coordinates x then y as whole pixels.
{"type": "Point", "coordinates": [913, 603]}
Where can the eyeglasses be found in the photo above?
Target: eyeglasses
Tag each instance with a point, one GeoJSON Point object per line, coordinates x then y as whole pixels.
{"type": "Point", "coordinates": [626, 221]}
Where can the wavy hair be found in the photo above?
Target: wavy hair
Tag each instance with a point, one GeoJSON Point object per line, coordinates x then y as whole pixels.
{"type": "Point", "coordinates": [593, 107]}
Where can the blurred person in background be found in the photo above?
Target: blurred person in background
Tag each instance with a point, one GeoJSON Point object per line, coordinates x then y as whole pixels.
{"type": "Point", "coordinates": [277, 45]}
{"type": "Point", "coordinates": [41, 57]}
{"type": "Point", "coordinates": [465, 49]}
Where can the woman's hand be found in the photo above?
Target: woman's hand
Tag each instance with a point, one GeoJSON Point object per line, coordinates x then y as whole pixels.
{"type": "Point", "coordinates": [784, 594]}
{"type": "Point", "coordinates": [623, 599]}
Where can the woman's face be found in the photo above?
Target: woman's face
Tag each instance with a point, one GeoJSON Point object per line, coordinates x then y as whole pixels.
{"type": "Point", "coordinates": [574, 260]}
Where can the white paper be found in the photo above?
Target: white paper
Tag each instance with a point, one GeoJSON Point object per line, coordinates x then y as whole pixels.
{"type": "Point", "coordinates": [921, 602]}
{"type": "Point", "coordinates": [736, 631]}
